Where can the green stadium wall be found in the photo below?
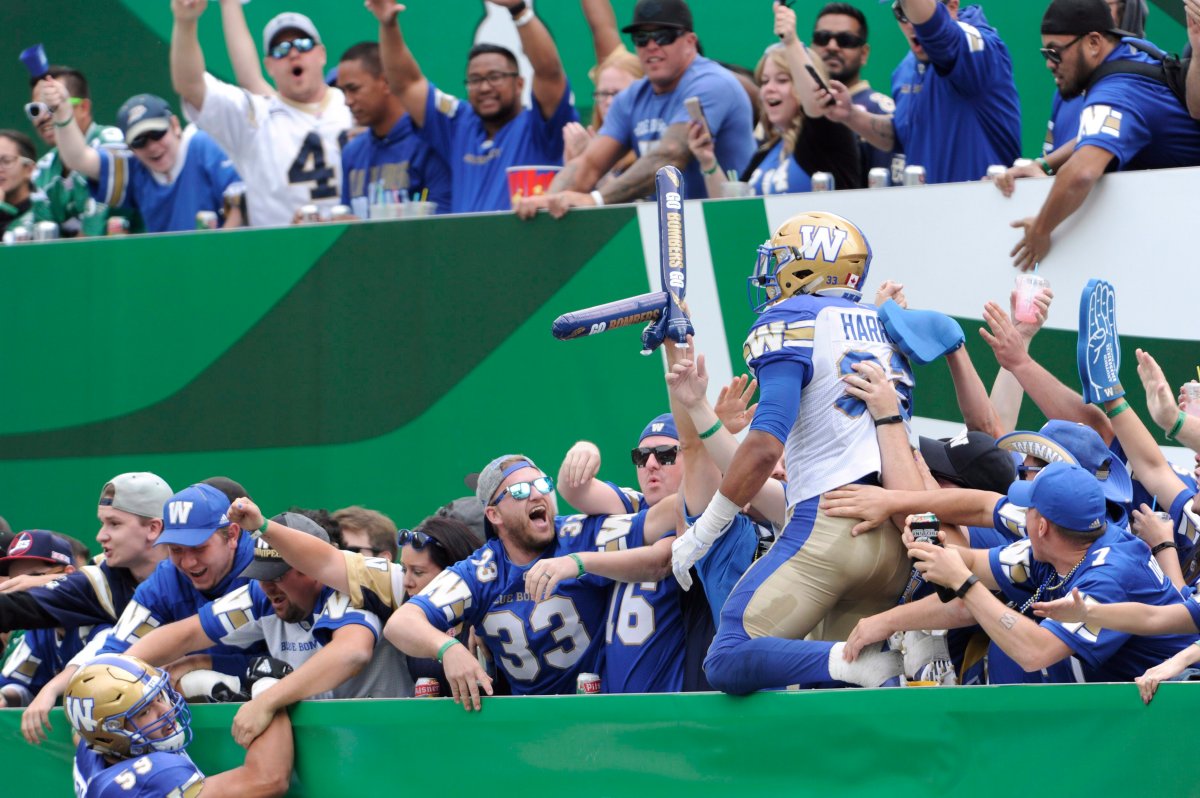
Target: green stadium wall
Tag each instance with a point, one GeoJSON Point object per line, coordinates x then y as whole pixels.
{"type": "Point", "coordinates": [122, 45]}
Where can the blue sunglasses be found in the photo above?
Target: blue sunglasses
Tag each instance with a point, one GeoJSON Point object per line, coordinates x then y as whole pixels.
{"type": "Point", "coordinates": [522, 490]}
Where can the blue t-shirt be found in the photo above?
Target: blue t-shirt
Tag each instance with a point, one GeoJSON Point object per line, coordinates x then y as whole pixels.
{"type": "Point", "coordinates": [543, 646]}
{"type": "Point", "coordinates": [1138, 119]}
{"type": "Point", "coordinates": [779, 174]}
{"type": "Point", "coordinates": [638, 117]}
{"type": "Point", "coordinates": [958, 114]}
{"type": "Point", "coordinates": [398, 162]}
{"type": "Point", "coordinates": [168, 595]}
{"type": "Point", "coordinates": [478, 164]}
{"type": "Point", "coordinates": [151, 776]}
{"type": "Point", "coordinates": [199, 179]}
{"type": "Point", "coordinates": [1117, 567]}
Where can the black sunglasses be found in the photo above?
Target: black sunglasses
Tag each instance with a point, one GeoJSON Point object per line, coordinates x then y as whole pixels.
{"type": "Point", "coordinates": [417, 539]}
{"type": "Point", "coordinates": [844, 39]}
{"type": "Point", "coordinates": [662, 37]}
{"type": "Point", "coordinates": [665, 455]}
{"type": "Point", "coordinates": [146, 138]}
{"type": "Point", "coordinates": [1054, 53]}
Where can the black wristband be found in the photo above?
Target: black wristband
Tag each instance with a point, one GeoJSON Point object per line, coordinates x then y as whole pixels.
{"type": "Point", "coordinates": [1166, 544]}
{"type": "Point", "coordinates": [879, 422]}
{"type": "Point", "coordinates": [967, 585]}
{"type": "Point", "coordinates": [518, 9]}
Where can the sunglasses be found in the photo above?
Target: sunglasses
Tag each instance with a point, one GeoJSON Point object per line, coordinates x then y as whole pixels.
{"type": "Point", "coordinates": [522, 490]}
{"type": "Point", "coordinates": [417, 539]}
{"type": "Point", "coordinates": [662, 37]}
{"type": "Point", "coordinates": [1054, 53]}
{"type": "Point", "coordinates": [301, 45]}
{"type": "Point", "coordinates": [145, 138]}
{"type": "Point", "coordinates": [665, 455]}
{"type": "Point", "coordinates": [844, 39]}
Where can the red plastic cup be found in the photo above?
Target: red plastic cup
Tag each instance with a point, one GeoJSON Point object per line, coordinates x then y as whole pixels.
{"type": "Point", "coordinates": [530, 181]}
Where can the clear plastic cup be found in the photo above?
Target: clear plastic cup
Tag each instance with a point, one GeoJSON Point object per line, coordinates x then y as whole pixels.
{"type": "Point", "coordinates": [415, 209]}
{"type": "Point", "coordinates": [736, 188]}
{"type": "Point", "coordinates": [1191, 398]}
{"type": "Point", "coordinates": [1028, 286]}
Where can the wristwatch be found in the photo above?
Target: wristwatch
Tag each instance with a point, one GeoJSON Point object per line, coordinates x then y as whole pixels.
{"type": "Point", "coordinates": [967, 585]}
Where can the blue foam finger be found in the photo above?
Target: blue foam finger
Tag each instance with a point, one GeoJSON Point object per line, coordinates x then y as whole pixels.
{"type": "Point", "coordinates": [922, 335]}
{"type": "Point", "coordinates": [1098, 350]}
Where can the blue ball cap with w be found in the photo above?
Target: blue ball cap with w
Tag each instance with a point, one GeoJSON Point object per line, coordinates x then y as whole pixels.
{"type": "Point", "coordinates": [1065, 494]}
{"type": "Point", "coordinates": [192, 515]}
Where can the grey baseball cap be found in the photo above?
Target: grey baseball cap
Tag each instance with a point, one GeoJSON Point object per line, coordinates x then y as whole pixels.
{"type": "Point", "coordinates": [137, 492]}
{"type": "Point", "coordinates": [492, 476]}
{"type": "Point", "coordinates": [289, 20]}
{"type": "Point", "coordinates": [268, 564]}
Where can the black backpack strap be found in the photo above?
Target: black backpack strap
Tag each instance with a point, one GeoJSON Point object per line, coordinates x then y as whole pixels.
{"type": "Point", "coordinates": [1154, 71]}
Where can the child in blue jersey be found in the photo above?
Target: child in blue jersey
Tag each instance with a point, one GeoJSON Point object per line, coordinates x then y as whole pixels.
{"type": "Point", "coordinates": [388, 156]}
{"type": "Point", "coordinates": [481, 138]}
{"type": "Point", "coordinates": [542, 630]}
{"type": "Point", "coordinates": [169, 174]}
{"type": "Point", "coordinates": [207, 554]}
{"type": "Point", "coordinates": [133, 729]}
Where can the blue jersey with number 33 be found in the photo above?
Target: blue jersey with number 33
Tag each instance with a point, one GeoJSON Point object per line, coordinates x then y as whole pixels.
{"type": "Point", "coordinates": [151, 776]}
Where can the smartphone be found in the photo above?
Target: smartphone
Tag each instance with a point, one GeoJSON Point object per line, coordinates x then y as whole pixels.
{"type": "Point", "coordinates": [816, 76]}
{"type": "Point", "coordinates": [692, 104]}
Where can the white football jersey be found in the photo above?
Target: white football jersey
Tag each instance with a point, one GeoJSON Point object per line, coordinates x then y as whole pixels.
{"type": "Point", "coordinates": [288, 154]}
{"type": "Point", "coordinates": [832, 442]}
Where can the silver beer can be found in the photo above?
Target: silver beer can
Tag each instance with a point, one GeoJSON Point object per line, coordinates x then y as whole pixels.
{"type": "Point", "coordinates": [206, 220]}
{"type": "Point", "coordinates": [338, 211]}
{"type": "Point", "coordinates": [1022, 162]}
{"type": "Point", "coordinates": [914, 175]}
{"type": "Point", "coordinates": [996, 171]}
{"type": "Point", "coordinates": [822, 181]}
{"type": "Point", "coordinates": [309, 214]}
{"type": "Point", "coordinates": [879, 177]}
{"type": "Point", "coordinates": [45, 231]}
{"type": "Point", "coordinates": [587, 684]}
{"type": "Point", "coordinates": [18, 234]}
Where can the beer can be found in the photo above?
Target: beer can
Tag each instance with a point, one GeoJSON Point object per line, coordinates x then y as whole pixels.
{"type": "Point", "coordinates": [996, 170]}
{"type": "Point", "coordinates": [822, 181]}
{"type": "Point", "coordinates": [878, 178]}
{"type": "Point", "coordinates": [587, 684]}
{"type": "Point", "coordinates": [309, 214]}
{"type": "Point", "coordinates": [338, 211]}
{"type": "Point", "coordinates": [45, 231]}
{"type": "Point", "coordinates": [116, 226]}
{"type": "Point", "coordinates": [925, 528]}
{"type": "Point", "coordinates": [1023, 162]}
{"type": "Point", "coordinates": [206, 220]}
{"type": "Point", "coordinates": [18, 234]}
{"type": "Point", "coordinates": [914, 175]}
{"type": "Point", "coordinates": [428, 687]}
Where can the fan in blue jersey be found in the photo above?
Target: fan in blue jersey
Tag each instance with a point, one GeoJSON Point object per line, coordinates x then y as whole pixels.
{"type": "Point", "coordinates": [325, 646]}
{"type": "Point", "coordinates": [649, 118]}
{"type": "Point", "coordinates": [490, 132]}
{"type": "Point", "coordinates": [207, 553]}
{"type": "Point", "coordinates": [811, 338]}
{"type": "Point", "coordinates": [169, 174]}
{"type": "Point", "coordinates": [957, 110]}
{"type": "Point", "coordinates": [40, 653]}
{"type": "Point", "coordinates": [1071, 545]}
{"type": "Point", "coordinates": [542, 630]}
{"type": "Point", "coordinates": [839, 39]}
{"type": "Point", "coordinates": [1128, 121]}
{"type": "Point", "coordinates": [133, 729]}
{"type": "Point", "coordinates": [388, 156]}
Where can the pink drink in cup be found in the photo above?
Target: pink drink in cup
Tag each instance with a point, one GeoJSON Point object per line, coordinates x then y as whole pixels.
{"type": "Point", "coordinates": [1028, 286]}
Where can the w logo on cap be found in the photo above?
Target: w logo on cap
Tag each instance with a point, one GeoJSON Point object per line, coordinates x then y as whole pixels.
{"type": "Point", "coordinates": [658, 427]}
{"type": "Point", "coordinates": [178, 512]}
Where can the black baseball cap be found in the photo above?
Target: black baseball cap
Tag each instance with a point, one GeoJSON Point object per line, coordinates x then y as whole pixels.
{"type": "Point", "coordinates": [660, 14]}
{"type": "Point", "coordinates": [972, 460]}
{"type": "Point", "coordinates": [268, 564]}
{"type": "Point", "coordinates": [1075, 17]}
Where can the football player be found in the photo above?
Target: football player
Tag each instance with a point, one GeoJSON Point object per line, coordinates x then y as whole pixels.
{"type": "Point", "coordinates": [811, 332]}
{"type": "Point", "coordinates": [133, 729]}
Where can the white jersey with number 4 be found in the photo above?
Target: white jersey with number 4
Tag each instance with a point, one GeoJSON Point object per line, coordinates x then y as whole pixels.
{"type": "Point", "coordinates": [287, 153]}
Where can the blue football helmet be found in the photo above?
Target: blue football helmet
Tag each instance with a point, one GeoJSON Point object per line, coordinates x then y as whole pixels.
{"type": "Point", "coordinates": [110, 702]}
{"type": "Point", "coordinates": [811, 253]}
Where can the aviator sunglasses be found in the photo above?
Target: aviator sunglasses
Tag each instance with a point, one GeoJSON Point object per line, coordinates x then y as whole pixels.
{"type": "Point", "coordinates": [522, 490]}
{"type": "Point", "coordinates": [302, 44]}
{"type": "Point", "coordinates": [417, 539]}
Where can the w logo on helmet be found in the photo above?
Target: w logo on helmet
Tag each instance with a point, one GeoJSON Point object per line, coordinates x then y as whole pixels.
{"type": "Point", "coordinates": [822, 241]}
{"type": "Point", "coordinates": [79, 713]}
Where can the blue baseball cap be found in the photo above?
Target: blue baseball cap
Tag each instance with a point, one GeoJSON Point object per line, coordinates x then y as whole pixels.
{"type": "Point", "coordinates": [192, 515]}
{"type": "Point", "coordinates": [1071, 442]}
{"type": "Point", "coordinates": [142, 113]}
{"type": "Point", "coordinates": [660, 425]}
{"type": "Point", "coordinates": [1065, 494]}
{"type": "Point", "coordinates": [38, 544]}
